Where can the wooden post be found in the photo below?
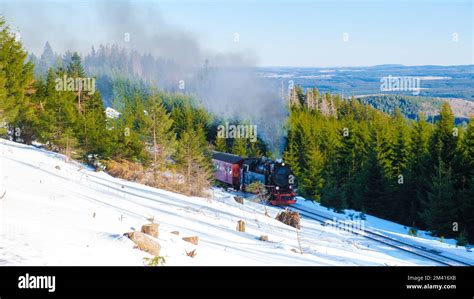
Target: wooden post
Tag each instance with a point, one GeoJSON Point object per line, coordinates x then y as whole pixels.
{"type": "Point", "coordinates": [299, 243]}
{"type": "Point", "coordinates": [151, 229]}
{"type": "Point", "coordinates": [241, 226]}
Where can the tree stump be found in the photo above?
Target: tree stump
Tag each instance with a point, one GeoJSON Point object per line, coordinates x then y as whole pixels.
{"type": "Point", "coordinates": [289, 217]}
{"type": "Point", "coordinates": [241, 226]}
{"type": "Point", "coordinates": [145, 243]}
{"type": "Point", "coordinates": [193, 240]}
{"type": "Point", "coordinates": [151, 229]}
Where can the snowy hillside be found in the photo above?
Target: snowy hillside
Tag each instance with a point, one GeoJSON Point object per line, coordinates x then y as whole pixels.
{"type": "Point", "coordinates": [58, 213]}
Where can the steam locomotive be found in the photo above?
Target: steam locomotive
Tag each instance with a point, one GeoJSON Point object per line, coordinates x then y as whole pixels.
{"type": "Point", "coordinates": [238, 172]}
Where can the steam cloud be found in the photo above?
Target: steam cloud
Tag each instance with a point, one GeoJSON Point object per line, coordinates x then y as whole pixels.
{"type": "Point", "coordinates": [226, 83]}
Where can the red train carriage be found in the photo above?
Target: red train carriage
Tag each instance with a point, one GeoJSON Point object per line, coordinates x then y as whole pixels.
{"type": "Point", "coordinates": [227, 168]}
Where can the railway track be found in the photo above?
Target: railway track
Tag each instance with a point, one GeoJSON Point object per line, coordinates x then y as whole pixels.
{"type": "Point", "coordinates": [377, 237]}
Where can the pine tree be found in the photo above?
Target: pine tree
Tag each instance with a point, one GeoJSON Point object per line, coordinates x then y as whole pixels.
{"type": "Point", "coordinates": [312, 183]}
{"type": "Point", "coordinates": [75, 70]}
{"type": "Point", "coordinates": [16, 107]}
{"type": "Point", "coordinates": [130, 144]}
{"type": "Point", "coordinates": [332, 194]}
{"type": "Point", "coordinates": [3, 99]}
{"type": "Point", "coordinates": [401, 145]}
{"type": "Point", "coordinates": [220, 144]}
{"type": "Point", "coordinates": [59, 117]}
{"type": "Point", "coordinates": [348, 161]}
{"type": "Point", "coordinates": [467, 208]}
{"type": "Point", "coordinates": [254, 148]}
{"type": "Point", "coordinates": [444, 142]}
{"type": "Point", "coordinates": [192, 162]}
{"type": "Point", "coordinates": [47, 60]}
{"type": "Point", "coordinates": [161, 134]}
{"type": "Point", "coordinates": [397, 170]}
{"type": "Point", "coordinates": [290, 156]}
{"type": "Point", "coordinates": [375, 194]}
{"type": "Point", "coordinates": [96, 139]}
{"type": "Point", "coordinates": [239, 147]}
{"type": "Point", "coordinates": [466, 193]}
{"type": "Point", "coordinates": [301, 135]}
{"type": "Point", "coordinates": [440, 210]}
{"type": "Point", "coordinates": [416, 183]}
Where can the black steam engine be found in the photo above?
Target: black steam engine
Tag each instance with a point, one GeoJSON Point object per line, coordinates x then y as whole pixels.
{"type": "Point", "coordinates": [238, 172]}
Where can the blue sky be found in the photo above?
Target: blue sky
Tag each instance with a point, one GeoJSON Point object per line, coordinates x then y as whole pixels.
{"type": "Point", "coordinates": [279, 32]}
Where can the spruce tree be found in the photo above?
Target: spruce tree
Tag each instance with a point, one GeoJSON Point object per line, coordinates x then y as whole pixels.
{"type": "Point", "coordinates": [192, 162]}
{"type": "Point", "coordinates": [60, 116]}
{"type": "Point", "coordinates": [220, 144]}
{"type": "Point", "coordinates": [312, 182]}
{"type": "Point", "coordinates": [47, 60]}
{"type": "Point", "coordinates": [239, 146]}
{"type": "Point", "coordinates": [440, 207]}
{"type": "Point", "coordinates": [75, 71]}
{"type": "Point", "coordinates": [95, 138]}
{"type": "Point", "coordinates": [375, 194]}
{"type": "Point", "coordinates": [400, 157]}
{"type": "Point", "coordinates": [444, 142]}
{"type": "Point", "coordinates": [467, 208]}
{"type": "Point", "coordinates": [440, 210]}
{"type": "Point", "coordinates": [129, 143]}
{"type": "Point", "coordinates": [416, 183]}
{"type": "Point", "coordinates": [161, 134]}
{"type": "Point", "coordinates": [3, 99]}
{"type": "Point", "coordinates": [290, 156]}
{"type": "Point", "coordinates": [254, 148]}
{"type": "Point", "coordinates": [466, 193]}
{"type": "Point", "coordinates": [16, 107]}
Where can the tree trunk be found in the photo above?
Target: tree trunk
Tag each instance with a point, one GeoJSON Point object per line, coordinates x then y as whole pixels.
{"type": "Point", "coordinates": [154, 142]}
{"type": "Point", "coordinates": [79, 100]}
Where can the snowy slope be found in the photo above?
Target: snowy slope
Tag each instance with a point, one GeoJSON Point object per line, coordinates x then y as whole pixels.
{"type": "Point", "coordinates": [447, 247]}
{"type": "Point", "coordinates": [58, 213]}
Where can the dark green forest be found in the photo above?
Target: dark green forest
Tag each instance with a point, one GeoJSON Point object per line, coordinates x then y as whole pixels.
{"type": "Point", "coordinates": [345, 153]}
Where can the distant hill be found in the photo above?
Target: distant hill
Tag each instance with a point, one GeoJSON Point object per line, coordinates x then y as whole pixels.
{"type": "Point", "coordinates": [410, 106]}
{"type": "Point", "coordinates": [436, 81]}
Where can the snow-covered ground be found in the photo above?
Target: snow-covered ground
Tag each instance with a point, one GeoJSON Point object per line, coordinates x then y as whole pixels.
{"type": "Point", "coordinates": [446, 247]}
{"type": "Point", "coordinates": [59, 213]}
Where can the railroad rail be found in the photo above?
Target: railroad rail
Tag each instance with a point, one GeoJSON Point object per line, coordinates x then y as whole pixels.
{"type": "Point", "coordinates": [377, 237]}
